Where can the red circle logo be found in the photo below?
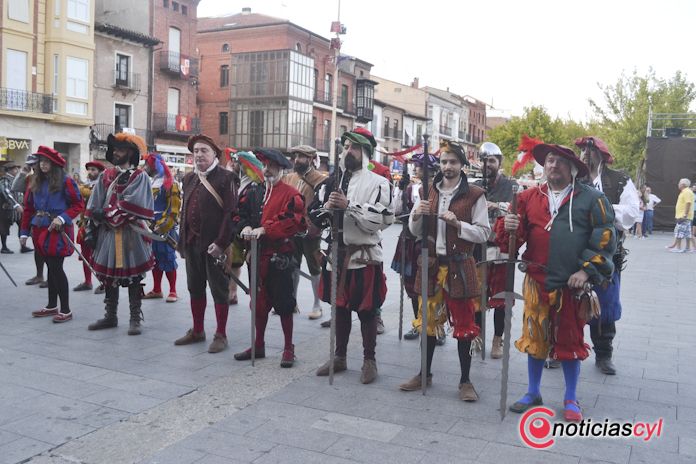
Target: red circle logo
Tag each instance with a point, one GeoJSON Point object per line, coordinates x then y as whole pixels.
{"type": "Point", "coordinates": [535, 428]}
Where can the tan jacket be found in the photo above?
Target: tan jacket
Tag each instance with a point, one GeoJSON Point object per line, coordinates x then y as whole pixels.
{"type": "Point", "coordinates": [305, 184]}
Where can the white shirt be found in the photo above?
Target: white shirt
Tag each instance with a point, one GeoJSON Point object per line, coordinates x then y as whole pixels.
{"type": "Point", "coordinates": [627, 211]}
{"type": "Point", "coordinates": [477, 232]}
{"type": "Point", "coordinates": [653, 200]}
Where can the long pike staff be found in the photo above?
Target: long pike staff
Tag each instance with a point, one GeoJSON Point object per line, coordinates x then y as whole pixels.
{"type": "Point", "coordinates": [253, 290]}
{"type": "Point", "coordinates": [509, 301]}
{"type": "Point", "coordinates": [484, 267]}
{"type": "Point", "coordinates": [336, 236]}
{"type": "Point", "coordinates": [424, 271]}
{"type": "Point", "coordinates": [402, 248]}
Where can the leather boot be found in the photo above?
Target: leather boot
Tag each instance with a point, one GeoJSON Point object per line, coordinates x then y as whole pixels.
{"type": "Point", "coordinates": [602, 334]}
{"type": "Point", "coordinates": [497, 347]}
{"type": "Point", "coordinates": [340, 365]}
{"type": "Point", "coordinates": [136, 314]}
{"type": "Point", "coordinates": [110, 320]}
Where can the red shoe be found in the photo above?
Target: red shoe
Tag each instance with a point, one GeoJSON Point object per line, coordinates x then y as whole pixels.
{"type": "Point", "coordinates": [569, 415]}
{"type": "Point", "coordinates": [152, 295]}
{"type": "Point", "coordinates": [288, 358]}
{"type": "Point", "coordinates": [62, 317]}
{"type": "Point", "coordinates": [45, 312]}
{"type": "Point", "coordinates": [172, 297]}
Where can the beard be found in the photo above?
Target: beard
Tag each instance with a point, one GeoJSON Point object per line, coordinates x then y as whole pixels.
{"type": "Point", "coordinates": [301, 168]}
{"type": "Point", "coordinates": [92, 178]}
{"type": "Point", "coordinates": [352, 164]}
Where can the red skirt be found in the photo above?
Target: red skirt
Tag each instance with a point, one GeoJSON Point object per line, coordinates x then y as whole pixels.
{"type": "Point", "coordinates": [364, 289]}
{"type": "Point", "coordinates": [52, 243]}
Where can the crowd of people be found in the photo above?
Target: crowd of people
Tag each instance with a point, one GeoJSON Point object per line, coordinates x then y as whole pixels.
{"type": "Point", "coordinates": [132, 217]}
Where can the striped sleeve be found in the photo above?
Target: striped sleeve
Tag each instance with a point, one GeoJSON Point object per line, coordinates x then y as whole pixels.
{"type": "Point", "coordinates": [170, 217]}
{"type": "Point", "coordinates": [596, 259]}
{"type": "Point", "coordinates": [75, 203]}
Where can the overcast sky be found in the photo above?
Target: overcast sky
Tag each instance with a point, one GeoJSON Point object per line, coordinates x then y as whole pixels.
{"type": "Point", "coordinates": [509, 53]}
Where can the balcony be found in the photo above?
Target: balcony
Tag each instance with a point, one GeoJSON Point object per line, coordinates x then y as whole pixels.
{"type": "Point", "coordinates": [325, 98]}
{"type": "Point", "coordinates": [177, 64]}
{"type": "Point", "coordinates": [99, 132]}
{"type": "Point", "coordinates": [444, 130]}
{"type": "Point", "coordinates": [175, 124]}
{"type": "Point", "coordinates": [126, 81]}
{"type": "Point", "coordinates": [462, 135]}
{"type": "Point", "coordinates": [21, 100]}
{"type": "Point", "coordinates": [364, 113]}
{"type": "Point", "coordinates": [345, 105]}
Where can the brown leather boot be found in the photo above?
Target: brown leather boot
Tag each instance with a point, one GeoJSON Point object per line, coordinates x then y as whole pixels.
{"type": "Point", "coordinates": [219, 344]}
{"type": "Point", "coordinates": [369, 371]}
{"type": "Point", "coordinates": [497, 347]}
{"type": "Point", "coordinates": [190, 337]}
{"type": "Point", "coordinates": [110, 320]}
{"type": "Point", "coordinates": [340, 365]}
{"type": "Point", "coordinates": [467, 392]}
{"type": "Point", "coordinates": [415, 383]}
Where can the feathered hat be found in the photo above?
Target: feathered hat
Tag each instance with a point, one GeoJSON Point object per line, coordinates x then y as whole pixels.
{"type": "Point", "coordinates": [125, 140]}
{"type": "Point", "coordinates": [157, 164]}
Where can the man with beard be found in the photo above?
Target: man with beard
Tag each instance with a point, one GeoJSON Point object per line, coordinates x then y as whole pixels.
{"type": "Point", "coordinates": [282, 217]}
{"type": "Point", "coordinates": [306, 178]}
{"type": "Point", "coordinates": [568, 229]}
{"type": "Point", "coordinates": [498, 189]}
{"type": "Point", "coordinates": [210, 199]}
{"type": "Point", "coordinates": [121, 205]}
{"type": "Point", "coordinates": [94, 168]}
{"type": "Point", "coordinates": [366, 199]}
{"type": "Point", "coordinates": [458, 221]}
{"type": "Point", "coordinates": [625, 199]}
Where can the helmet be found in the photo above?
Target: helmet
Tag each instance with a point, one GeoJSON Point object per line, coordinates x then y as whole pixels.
{"type": "Point", "coordinates": [490, 149]}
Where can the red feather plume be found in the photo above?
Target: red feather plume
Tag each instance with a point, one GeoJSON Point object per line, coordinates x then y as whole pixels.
{"type": "Point", "coordinates": [525, 157]}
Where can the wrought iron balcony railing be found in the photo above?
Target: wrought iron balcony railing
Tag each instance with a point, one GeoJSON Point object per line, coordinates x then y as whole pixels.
{"type": "Point", "coordinates": [21, 100]}
{"type": "Point", "coordinates": [176, 124]}
{"type": "Point", "coordinates": [184, 66]}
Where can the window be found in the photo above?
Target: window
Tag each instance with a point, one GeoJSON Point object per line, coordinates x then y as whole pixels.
{"type": "Point", "coordinates": [386, 127]}
{"type": "Point", "coordinates": [77, 75]}
{"type": "Point", "coordinates": [396, 133]}
{"type": "Point", "coordinates": [224, 75]}
{"type": "Point", "coordinates": [184, 10]}
{"type": "Point", "coordinates": [175, 6]}
{"type": "Point", "coordinates": [225, 48]}
{"type": "Point", "coordinates": [165, 3]}
{"type": "Point", "coordinates": [173, 101]}
{"type": "Point", "coordinates": [18, 10]}
{"type": "Point", "coordinates": [78, 10]}
{"type": "Point", "coordinates": [56, 80]}
{"type": "Point", "coordinates": [223, 123]}
{"type": "Point", "coordinates": [343, 102]}
{"type": "Point", "coordinates": [122, 70]}
{"type": "Point", "coordinates": [122, 118]}
{"type": "Point", "coordinates": [328, 86]}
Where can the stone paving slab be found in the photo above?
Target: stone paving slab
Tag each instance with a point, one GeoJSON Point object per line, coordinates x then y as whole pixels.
{"type": "Point", "coordinates": [68, 395]}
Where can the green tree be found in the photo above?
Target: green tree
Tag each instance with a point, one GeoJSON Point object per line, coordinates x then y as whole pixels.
{"type": "Point", "coordinates": [534, 122]}
{"type": "Point", "coordinates": [621, 119]}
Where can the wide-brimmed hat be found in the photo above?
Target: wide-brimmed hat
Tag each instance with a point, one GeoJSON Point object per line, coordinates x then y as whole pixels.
{"type": "Point", "coordinates": [543, 149]}
{"type": "Point", "coordinates": [449, 146]}
{"type": "Point", "coordinates": [52, 155]}
{"type": "Point", "coordinates": [304, 149]}
{"type": "Point", "coordinates": [125, 140]}
{"type": "Point", "coordinates": [32, 159]}
{"type": "Point", "coordinates": [253, 168]}
{"type": "Point", "coordinates": [598, 143]}
{"type": "Point", "coordinates": [266, 155]}
{"type": "Point", "coordinates": [95, 164]}
{"type": "Point", "coordinates": [9, 165]}
{"type": "Point", "coordinates": [358, 139]}
{"type": "Point", "coordinates": [203, 139]}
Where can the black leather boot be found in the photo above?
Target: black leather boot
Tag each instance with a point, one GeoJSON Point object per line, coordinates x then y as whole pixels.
{"type": "Point", "coordinates": [135, 296]}
{"type": "Point", "coordinates": [602, 335]}
{"type": "Point", "coordinates": [110, 319]}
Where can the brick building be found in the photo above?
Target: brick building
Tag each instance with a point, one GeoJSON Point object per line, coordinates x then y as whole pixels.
{"type": "Point", "coordinates": [268, 82]}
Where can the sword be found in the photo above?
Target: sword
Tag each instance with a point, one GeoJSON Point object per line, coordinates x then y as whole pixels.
{"type": "Point", "coordinates": [145, 232]}
{"type": "Point", "coordinates": [424, 273]}
{"type": "Point", "coordinates": [510, 296]}
{"type": "Point", "coordinates": [220, 261]}
{"type": "Point", "coordinates": [84, 260]}
{"type": "Point", "coordinates": [8, 274]}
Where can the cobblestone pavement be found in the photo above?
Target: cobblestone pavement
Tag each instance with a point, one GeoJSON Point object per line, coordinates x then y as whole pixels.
{"type": "Point", "coordinates": [68, 395]}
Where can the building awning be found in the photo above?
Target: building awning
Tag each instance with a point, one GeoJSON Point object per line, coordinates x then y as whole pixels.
{"type": "Point", "coordinates": [172, 149]}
